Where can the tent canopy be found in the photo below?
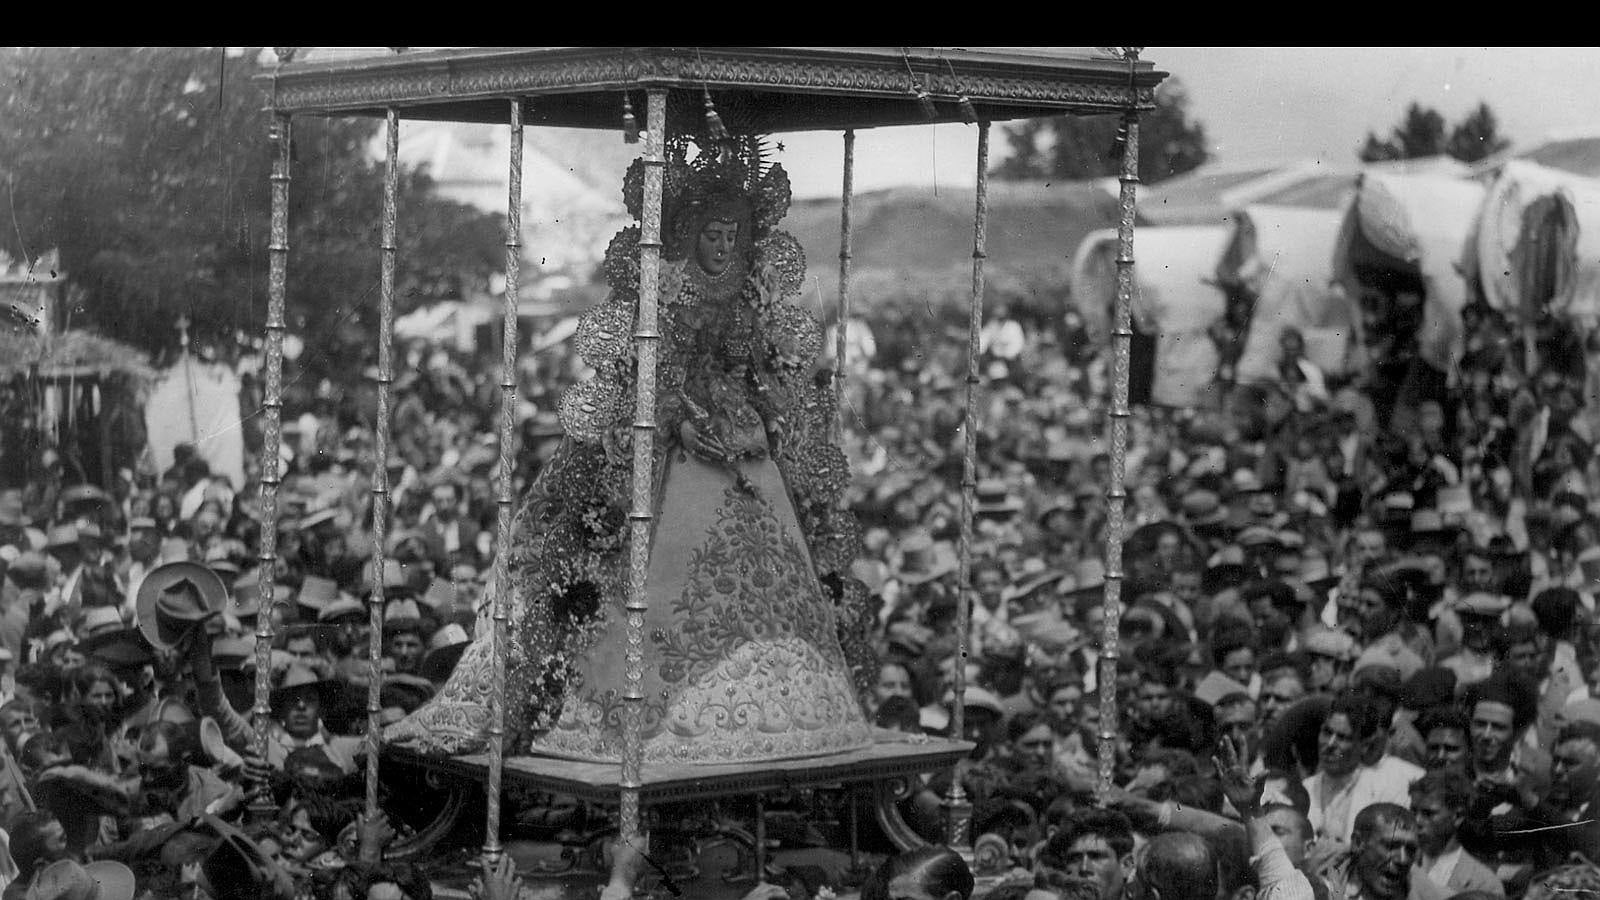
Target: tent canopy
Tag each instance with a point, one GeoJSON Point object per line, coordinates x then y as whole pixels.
{"type": "Point", "coordinates": [1531, 248]}
{"type": "Point", "coordinates": [1284, 257]}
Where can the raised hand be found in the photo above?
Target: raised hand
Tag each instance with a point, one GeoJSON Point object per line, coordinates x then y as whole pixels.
{"type": "Point", "coordinates": [1233, 770]}
{"type": "Point", "coordinates": [498, 882]}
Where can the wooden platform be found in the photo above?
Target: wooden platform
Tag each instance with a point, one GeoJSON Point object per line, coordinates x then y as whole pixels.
{"type": "Point", "coordinates": [893, 756]}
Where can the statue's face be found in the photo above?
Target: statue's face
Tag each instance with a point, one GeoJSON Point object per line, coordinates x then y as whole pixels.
{"type": "Point", "coordinates": [714, 249]}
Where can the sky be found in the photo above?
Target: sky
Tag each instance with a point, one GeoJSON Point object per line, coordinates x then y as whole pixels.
{"type": "Point", "coordinates": [1265, 104]}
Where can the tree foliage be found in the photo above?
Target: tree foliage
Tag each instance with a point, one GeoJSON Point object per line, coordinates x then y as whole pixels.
{"type": "Point", "coordinates": [1422, 132]}
{"type": "Point", "coordinates": [1077, 147]}
{"type": "Point", "coordinates": [148, 168]}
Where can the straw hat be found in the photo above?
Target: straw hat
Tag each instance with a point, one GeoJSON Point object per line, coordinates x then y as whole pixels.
{"type": "Point", "coordinates": [66, 879]}
{"type": "Point", "coordinates": [297, 678]}
{"type": "Point", "coordinates": [175, 598]}
{"type": "Point", "coordinates": [922, 559]}
{"type": "Point", "coordinates": [317, 592]}
{"type": "Point", "coordinates": [995, 499]}
{"type": "Point", "coordinates": [341, 608]}
{"type": "Point", "coordinates": [62, 536]}
{"type": "Point", "coordinates": [99, 620]}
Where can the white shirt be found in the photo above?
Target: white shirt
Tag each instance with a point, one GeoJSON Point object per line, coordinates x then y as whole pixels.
{"type": "Point", "coordinates": [1333, 814]}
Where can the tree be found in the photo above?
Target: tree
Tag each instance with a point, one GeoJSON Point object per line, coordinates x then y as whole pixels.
{"type": "Point", "coordinates": [148, 169]}
{"type": "Point", "coordinates": [1421, 133]}
{"type": "Point", "coordinates": [1077, 147]}
{"type": "Point", "coordinates": [1477, 136]}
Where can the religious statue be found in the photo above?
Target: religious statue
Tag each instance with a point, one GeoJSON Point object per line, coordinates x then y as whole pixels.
{"type": "Point", "coordinates": [748, 585]}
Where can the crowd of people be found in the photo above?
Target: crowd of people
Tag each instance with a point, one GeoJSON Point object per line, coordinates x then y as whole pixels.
{"type": "Point", "coordinates": [1358, 647]}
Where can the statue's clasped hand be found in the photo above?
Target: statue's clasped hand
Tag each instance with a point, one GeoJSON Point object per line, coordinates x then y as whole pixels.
{"type": "Point", "coordinates": [702, 443]}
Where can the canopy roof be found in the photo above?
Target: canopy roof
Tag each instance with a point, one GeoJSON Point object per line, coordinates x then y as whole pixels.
{"type": "Point", "coordinates": [757, 90]}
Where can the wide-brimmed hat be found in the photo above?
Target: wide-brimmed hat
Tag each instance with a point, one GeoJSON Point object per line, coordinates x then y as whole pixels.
{"type": "Point", "coordinates": [921, 559]}
{"type": "Point", "coordinates": [212, 743]}
{"type": "Point", "coordinates": [440, 596]}
{"type": "Point", "coordinates": [66, 879]}
{"type": "Point", "coordinates": [83, 493]}
{"type": "Point", "coordinates": [231, 653]}
{"type": "Point", "coordinates": [1482, 604]}
{"type": "Point", "coordinates": [99, 620]}
{"type": "Point", "coordinates": [177, 597]}
{"type": "Point", "coordinates": [1088, 576]}
{"type": "Point", "coordinates": [62, 536]}
{"type": "Point", "coordinates": [994, 499]}
{"type": "Point", "coordinates": [1330, 642]}
{"type": "Point", "coordinates": [317, 592]}
{"type": "Point", "coordinates": [313, 519]}
{"type": "Point", "coordinates": [341, 608]}
{"type": "Point", "coordinates": [405, 691]}
{"type": "Point", "coordinates": [1202, 507]}
{"type": "Point", "coordinates": [297, 678]}
{"type": "Point", "coordinates": [402, 614]}
{"type": "Point", "coordinates": [118, 648]}
{"type": "Point", "coordinates": [1029, 581]}
{"type": "Point", "coordinates": [445, 649]}
{"type": "Point", "coordinates": [236, 867]}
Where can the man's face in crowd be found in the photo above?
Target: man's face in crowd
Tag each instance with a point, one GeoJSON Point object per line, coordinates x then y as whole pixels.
{"type": "Point", "coordinates": [1291, 831]}
{"type": "Point", "coordinates": [302, 712]}
{"type": "Point", "coordinates": [1063, 705]}
{"type": "Point", "coordinates": [102, 696]}
{"type": "Point", "coordinates": [1436, 822]}
{"type": "Point", "coordinates": [1185, 586]}
{"type": "Point", "coordinates": [303, 648]}
{"type": "Point", "coordinates": [1526, 657]}
{"type": "Point", "coordinates": [55, 841]}
{"type": "Point", "coordinates": [301, 842]}
{"type": "Point", "coordinates": [1339, 749]}
{"type": "Point", "coordinates": [1446, 748]}
{"type": "Point", "coordinates": [1383, 861]}
{"type": "Point", "coordinates": [1237, 721]}
{"type": "Point", "coordinates": [1277, 694]}
{"type": "Point", "coordinates": [893, 681]}
{"type": "Point", "coordinates": [445, 503]}
{"type": "Point", "coordinates": [1574, 772]}
{"type": "Point", "coordinates": [989, 583]}
{"type": "Point", "coordinates": [1477, 574]}
{"type": "Point", "coordinates": [18, 724]}
{"type": "Point", "coordinates": [1371, 547]}
{"type": "Point", "coordinates": [1240, 665]}
{"type": "Point", "coordinates": [1037, 745]}
{"type": "Point", "coordinates": [1328, 674]}
{"type": "Point", "coordinates": [1262, 504]}
{"type": "Point", "coordinates": [1155, 700]}
{"type": "Point", "coordinates": [1491, 736]}
{"type": "Point", "coordinates": [1376, 617]}
{"type": "Point", "coordinates": [144, 544]}
{"type": "Point", "coordinates": [1477, 632]}
{"type": "Point", "coordinates": [405, 648]}
{"type": "Point", "coordinates": [1091, 856]}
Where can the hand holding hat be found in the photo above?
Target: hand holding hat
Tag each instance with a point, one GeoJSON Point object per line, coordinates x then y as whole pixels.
{"type": "Point", "coordinates": [176, 598]}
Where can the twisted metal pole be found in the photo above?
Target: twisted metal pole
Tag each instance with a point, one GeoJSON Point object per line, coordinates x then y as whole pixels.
{"type": "Point", "coordinates": [500, 614]}
{"type": "Point", "coordinates": [841, 340]}
{"type": "Point", "coordinates": [1116, 494]}
{"type": "Point", "coordinates": [380, 448]}
{"type": "Point", "coordinates": [958, 808]}
{"type": "Point", "coordinates": [261, 806]}
{"type": "Point", "coordinates": [646, 339]}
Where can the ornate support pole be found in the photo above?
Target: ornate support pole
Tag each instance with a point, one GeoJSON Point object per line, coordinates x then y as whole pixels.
{"type": "Point", "coordinates": [841, 333]}
{"type": "Point", "coordinates": [1122, 337]}
{"type": "Point", "coordinates": [380, 447]}
{"type": "Point", "coordinates": [958, 809]}
{"type": "Point", "coordinates": [500, 614]}
{"type": "Point", "coordinates": [261, 806]}
{"type": "Point", "coordinates": [646, 339]}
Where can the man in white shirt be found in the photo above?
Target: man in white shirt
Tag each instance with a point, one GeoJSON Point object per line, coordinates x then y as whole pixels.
{"type": "Point", "coordinates": [1342, 786]}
